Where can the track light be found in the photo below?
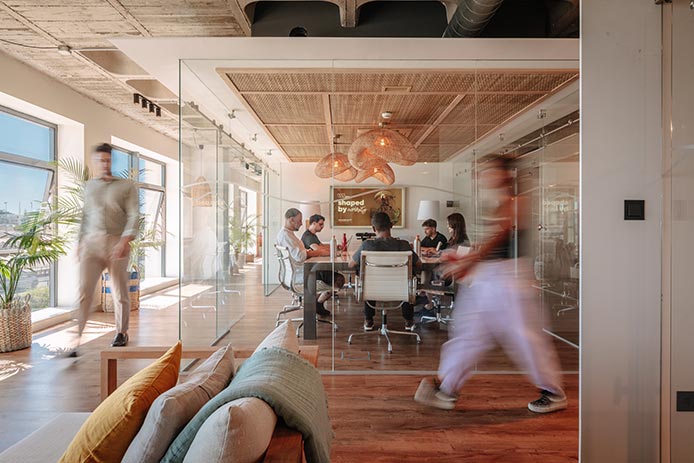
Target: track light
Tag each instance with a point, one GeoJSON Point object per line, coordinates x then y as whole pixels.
{"type": "Point", "coordinates": [136, 98]}
{"type": "Point", "coordinates": [151, 107]}
{"type": "Point", "coordinates": [145, 102]}
{"type": "Point", "coordinates": [158, 111]}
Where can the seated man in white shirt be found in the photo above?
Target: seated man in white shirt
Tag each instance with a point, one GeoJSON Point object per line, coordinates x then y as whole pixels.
{"type": "Point", "coordinates": [324, 280]}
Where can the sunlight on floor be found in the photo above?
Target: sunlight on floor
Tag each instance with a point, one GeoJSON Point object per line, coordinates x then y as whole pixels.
{"type": "Point", "coordinates": [63, 340]}
{"type": "Point", "coordinates": [9, 368]}
{"type": "Point", "coordinates": [158, 302]}
{"type": "Point", "coordinates": [189, 290]}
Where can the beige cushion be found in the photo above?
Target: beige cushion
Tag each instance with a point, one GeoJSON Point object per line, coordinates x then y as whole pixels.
{"type": "Point", "coordinates": [172, 410]}
{"type": "Point", "coordinates": [238, 432]}
{"type": "Point", "coordinates": [283, 336]}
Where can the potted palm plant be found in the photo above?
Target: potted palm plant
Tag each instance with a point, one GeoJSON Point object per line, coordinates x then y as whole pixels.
{"type": "Point", "coordinates": [241, 237]}
{"type": "Point", "coordinates": [35, 242]}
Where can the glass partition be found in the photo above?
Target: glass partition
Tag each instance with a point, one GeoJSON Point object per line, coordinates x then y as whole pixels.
{"type": "Point", "coordinates": [456, 116]}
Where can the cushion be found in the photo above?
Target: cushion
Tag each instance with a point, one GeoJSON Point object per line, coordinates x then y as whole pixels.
{"type": "Point", "coordinates": [238, 432]}
{"type": "Point", "coordinates": [171, 411]}
{"type": "Point", "coordinates": [283, 336]}
{"type": "Point", "coordinates": [107, 433]}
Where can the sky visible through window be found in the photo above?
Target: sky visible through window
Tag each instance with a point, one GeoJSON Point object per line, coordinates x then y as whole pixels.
{"type": "Point", "coordinates": [25, 138]}
{"type": "Point", "coordinates": [21, 188]}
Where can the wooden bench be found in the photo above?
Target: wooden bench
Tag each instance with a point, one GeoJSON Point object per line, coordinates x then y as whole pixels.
{"type": "Point", "coordinates": [286, 445]}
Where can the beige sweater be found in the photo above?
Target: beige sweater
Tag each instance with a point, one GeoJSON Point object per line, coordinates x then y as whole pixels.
{"type": "Point", "coordinates": [110, 207]}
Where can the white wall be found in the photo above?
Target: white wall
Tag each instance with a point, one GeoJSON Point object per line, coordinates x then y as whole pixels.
{"type": "Point", "coordinates": [621, 138]}
{"type": "Point", "coordinates": [82, 123]}
{"type": "Point", "coordinates": [422, 181]}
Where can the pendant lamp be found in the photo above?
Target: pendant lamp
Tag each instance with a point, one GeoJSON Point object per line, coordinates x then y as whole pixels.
{"type": "Point", "coordinates": [383, 174]}
{"type": "Point", "coordinates": [347, 175]}
{"type": "Point", "coordinates": [332, 164]}
{"type": "Point", "coordinates": [386, 144]}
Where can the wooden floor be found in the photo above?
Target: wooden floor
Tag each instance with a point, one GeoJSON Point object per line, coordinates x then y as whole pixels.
{"type": "Point", "coordinates": [373, 415]}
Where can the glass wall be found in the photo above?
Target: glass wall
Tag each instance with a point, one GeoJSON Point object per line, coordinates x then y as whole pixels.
{"type": "Point", "coordinates": [221, 209]}
{"type": "Point", "coordinates": [679, 227]}
{"type": "Point", "coordinates": [457, 117]}
{"type": "Point", "coordinates": [27, 152]}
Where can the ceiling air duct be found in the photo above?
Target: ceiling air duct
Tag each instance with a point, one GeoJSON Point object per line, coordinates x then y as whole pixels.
{"type": "Point", "coordinates": [471, 17]}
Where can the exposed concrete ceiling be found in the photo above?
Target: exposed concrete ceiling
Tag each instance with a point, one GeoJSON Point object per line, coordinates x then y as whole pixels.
{"type": "Point", "coordinates": [85, 25]}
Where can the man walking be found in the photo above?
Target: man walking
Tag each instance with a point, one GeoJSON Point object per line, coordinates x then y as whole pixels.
{"type": "Point", "coordinates": [109, 223]}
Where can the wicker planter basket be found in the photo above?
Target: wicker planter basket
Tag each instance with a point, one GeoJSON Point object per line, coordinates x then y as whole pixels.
{"type": "Point", "coordinates": [15, 325]}
{"type": "Point", "coordinates": [133, 292]}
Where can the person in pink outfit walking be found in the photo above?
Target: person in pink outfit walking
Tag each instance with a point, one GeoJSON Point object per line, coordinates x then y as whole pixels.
{"type": "Point", "coordinates": [494, 304]}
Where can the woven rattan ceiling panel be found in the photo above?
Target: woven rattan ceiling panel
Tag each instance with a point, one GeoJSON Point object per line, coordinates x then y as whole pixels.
{"type": "Point", "coordinates": [287, 109]}
{"type": "Point", "coordinates": [354, 82]}
{"type": "Point", "coordinates": [300, 134]}
{"type": "Point", "coordinates": [440, 111]}
{"type": "Point", "coordinates": [406, 109]}
{"type": "Point", "coordinates": [487, 109]}
{"type": "Point", "coordinates": [306, 153]}
{"type": "Point", "coordinates": [522, 82]}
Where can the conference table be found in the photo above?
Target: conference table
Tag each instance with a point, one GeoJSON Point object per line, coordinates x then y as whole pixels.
{"type": "Point", "coordinates": [338, 264]}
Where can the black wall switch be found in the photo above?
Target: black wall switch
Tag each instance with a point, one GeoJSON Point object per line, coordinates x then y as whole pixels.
{"type": "Point", "coordinates": [685, 401]}
{"type": "Point", "coordinates": [634, 209]}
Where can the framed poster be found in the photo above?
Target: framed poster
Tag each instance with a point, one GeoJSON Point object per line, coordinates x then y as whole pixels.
{"type": "Point", "coordinates": [352, 207]}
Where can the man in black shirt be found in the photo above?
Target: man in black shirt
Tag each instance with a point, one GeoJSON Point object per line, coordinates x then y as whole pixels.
{"type": "Point", "coordinates": [316, 223]}
{"type": "Point", "coordinates": [385, 242]}
{"type": "Point", "coordinates": [311, 242]}
{"type": "Point", "coordinates": [432, 238]}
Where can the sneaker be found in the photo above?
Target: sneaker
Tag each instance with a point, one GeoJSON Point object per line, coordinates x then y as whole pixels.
{"type": "Point", "coordinates": [121, 340]}
{"type": "Point", "coordinates": [548, 403]}
{"type": "Point", "coordinates": [369, 325]}
{"type": "Point", "coordinates": [409, 325]}
{"type": "Point", "coordinates": [429, 394]}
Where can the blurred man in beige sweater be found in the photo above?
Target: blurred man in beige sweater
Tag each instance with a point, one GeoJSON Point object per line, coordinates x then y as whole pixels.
{"type": "Point", "coordinates": [109, 223]}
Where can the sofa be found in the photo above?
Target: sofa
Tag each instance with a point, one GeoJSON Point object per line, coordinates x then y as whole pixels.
{"type": "Point", "coordinates": [244, 430]}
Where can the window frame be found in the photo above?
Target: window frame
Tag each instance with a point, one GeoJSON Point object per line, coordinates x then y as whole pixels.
{"type": "Point", "coordinates": [51, 185]}
{"type": "Point", "coordinates": [134, 166]}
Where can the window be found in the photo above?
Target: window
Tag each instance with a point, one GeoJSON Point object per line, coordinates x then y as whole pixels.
{"type": "Point", "coordinates": [150, 177]}
{"type": "Point", "coordinates": [27, 150]}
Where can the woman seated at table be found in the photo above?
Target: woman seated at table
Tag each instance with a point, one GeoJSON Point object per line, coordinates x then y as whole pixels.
{"type": "Point", "coordinates": [457, 231]}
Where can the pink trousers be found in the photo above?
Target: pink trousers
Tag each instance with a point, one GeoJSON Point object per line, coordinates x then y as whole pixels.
{"type": "Point", "coordinates": [496, 306]}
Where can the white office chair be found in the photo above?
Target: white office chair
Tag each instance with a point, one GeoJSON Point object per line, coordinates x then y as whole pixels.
{"type": "Point", "coordinates": [386, 279]}
{"type": "Point", "coordinates": [287, 271]}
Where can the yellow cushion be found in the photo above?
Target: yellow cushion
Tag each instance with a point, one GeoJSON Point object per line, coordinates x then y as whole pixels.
{"type": "Point", "coordinates": [107, 433]}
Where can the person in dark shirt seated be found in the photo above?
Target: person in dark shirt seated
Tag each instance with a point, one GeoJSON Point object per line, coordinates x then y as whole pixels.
{"type": "Point", "coordinates": [316, 223]}
{"type": "Point", "coordinates": [385, 242]}
{"type": "Point", "coordinates": [432, 238]}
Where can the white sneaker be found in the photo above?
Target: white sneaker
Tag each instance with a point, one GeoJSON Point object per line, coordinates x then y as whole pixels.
{"type": "Point", "coordinates": [548, 403]}
{"type": "Point", "coordinates": [429, 394]}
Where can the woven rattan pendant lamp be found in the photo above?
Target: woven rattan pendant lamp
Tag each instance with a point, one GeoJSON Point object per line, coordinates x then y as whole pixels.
{"type": "Point", "coordinates": [383, 173]}
{"type": "Point", "coordinates": [384, 144]}
{"type": "Point", "coordinates": [200, 191]}
{"type": "Point", "coordinates": [347, 175]}
{"type": "Point", "coordinates": [332, 164]}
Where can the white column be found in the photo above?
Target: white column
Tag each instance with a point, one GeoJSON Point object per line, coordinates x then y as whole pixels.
{"type": "Point", "coordinates": [621, 147]}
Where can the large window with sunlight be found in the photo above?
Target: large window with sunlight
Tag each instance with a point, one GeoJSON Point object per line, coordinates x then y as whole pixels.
{"type": "Point", "coordinates": [27, 152]}
{"type": "Point", "coordinates": [150, 177]}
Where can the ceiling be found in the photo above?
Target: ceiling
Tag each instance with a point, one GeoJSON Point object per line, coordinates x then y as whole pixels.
{"type": "Point", "coordinates": [86, 25]}
{"type": "Point", "coordinates": [94, 68]}
{"type": "Point", "coordinates": [440, 111]}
